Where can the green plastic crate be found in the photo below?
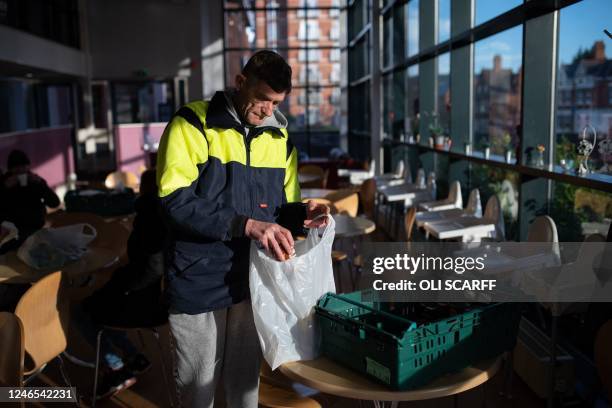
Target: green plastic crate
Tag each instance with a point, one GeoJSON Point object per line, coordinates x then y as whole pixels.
{"type": "Point", "coordinates": [407, 345]}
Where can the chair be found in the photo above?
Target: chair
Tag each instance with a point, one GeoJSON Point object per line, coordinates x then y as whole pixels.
{"type": "Point", "coordinates": [153, 320]}
{"type": "Point", "coordinates": [43, 312]}
{"type": "Point", "coordinates": [367, 196]}
{"type": "Point", "coordinates": [345, 201]}
{"type": "Point", "coordinates": [409, 221]}
{"type": "Point", "coordinates": [595, 238]}
{"type": "Point", "coordinates": [313, 170]}
{"type": "Point", "coordinates": [431, 185]}
{"type": "Point", "coordinates": [420, 180]}
{"type": "Point", "coordinates": [12, 350]}
{"type": "Point", "coordinates": [454, 200]}
{"type": "Point", "coordinates": [159, 319]}
{"type": "Point", "coordinates": [543, 229]}
{"type": "Point", "coordinates": [122, 179]}
{"type": "Point", "coordinates": [474, 207]}
{"type": "Point", "coordinates": [493, 212]}
{"type": "Point", "coordinates": [603, 355]}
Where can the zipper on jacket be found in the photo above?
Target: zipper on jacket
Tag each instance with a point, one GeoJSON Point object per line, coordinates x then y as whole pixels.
{"type": "Point", "coordinates": [247, 146]}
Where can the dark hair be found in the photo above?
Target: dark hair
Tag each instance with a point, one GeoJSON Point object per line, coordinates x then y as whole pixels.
{"type": "Point", "coordinates": [17, 158]}
{"type": "Point", "coordinates": [271, 68]}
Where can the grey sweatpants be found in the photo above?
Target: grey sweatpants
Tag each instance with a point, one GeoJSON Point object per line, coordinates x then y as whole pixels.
{"type": "Point", "coordinates": [214, 344]}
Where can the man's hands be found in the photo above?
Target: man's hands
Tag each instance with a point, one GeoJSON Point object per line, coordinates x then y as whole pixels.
{"type": "Point", "coordinates": [278, 240]}
{"type": "Point", "coordinates": [274, 238]}
{"type": "Point", "coordinates": [313, 210]}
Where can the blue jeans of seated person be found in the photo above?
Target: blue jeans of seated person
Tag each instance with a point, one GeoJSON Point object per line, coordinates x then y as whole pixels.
{"type": "Point", "coordinates": [111, 340]}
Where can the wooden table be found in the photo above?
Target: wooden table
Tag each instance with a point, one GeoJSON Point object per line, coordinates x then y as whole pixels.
{"type": "Point", "coordinates": [329, 377]}
{"type": "Point", "coordinates": [347, 226]}
{"type": "Point", "coordinates": [468, 228]}
{"type": "Point", "coordinates": [308, 178]}
{"type": "Point", "coordinates": [439, 205]}
{"type": "Point", "coordinates": [315, 192]}
{"type": "Point", "coordinates": [14, 270]}
{"type": "Point", "coordinates": [433, 216]}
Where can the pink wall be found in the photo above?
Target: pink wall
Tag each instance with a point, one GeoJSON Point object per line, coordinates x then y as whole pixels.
{"type": "Point", "coordinates": [50, 152]}
{"type": "Point", "coordinates": [129, 140]}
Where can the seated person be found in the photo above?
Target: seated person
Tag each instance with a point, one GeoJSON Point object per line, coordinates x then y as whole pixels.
{"type": "Point", "coordinates": [24, 197]}
{"type": "Point", "coordinates": [131, 298]}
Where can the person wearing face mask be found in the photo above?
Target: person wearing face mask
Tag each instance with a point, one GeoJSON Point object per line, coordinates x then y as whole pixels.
{"type": "Point", "coordinates": [25, 196]}
{"type": "Point", "coordinates": [227, 175]}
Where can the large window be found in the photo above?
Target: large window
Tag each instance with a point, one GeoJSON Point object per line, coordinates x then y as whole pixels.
{"type": "Point", "coordinates": [497, 91]}
{"type": "Point", "coordinates": [306, 33]}
{"type": "Point", "coordinates": [444, 21]}
{"type": "Point", "coordinates": [444, 97]}
{"type": "Point", "coordinates": [584, 86]}
{"type": "Point", "coordinates": [42, 105]}
{"type": "Point", "coordinates": [520, 87]}
{"type": "Point", "coordinates": [359, 80]}
{"type": "Point", "coordinates": [412, 17]}
{"type": "Point", "coordinates": [487, 9]}
{"type": "Point", "coordinates": [143, 102]}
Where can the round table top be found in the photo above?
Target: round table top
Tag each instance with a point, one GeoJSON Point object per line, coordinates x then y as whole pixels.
{"type": "Point", "coordinates": [308, 178]}
{"type": "Point", "coordinates": [347, 226]}
{"type": "Point", "coordinates": [14, 270]}
{"type": "Point", "coordinates": [315, 192]}
{"type": "Point", "coordinates": [327, 376]}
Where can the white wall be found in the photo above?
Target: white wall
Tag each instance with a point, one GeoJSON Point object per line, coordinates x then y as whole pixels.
{"type": "Point", "coordinates": [159, 36]}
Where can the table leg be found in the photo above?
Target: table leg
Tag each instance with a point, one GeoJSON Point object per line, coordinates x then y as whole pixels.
{"type": "Point", "coordinates": [383, 404]}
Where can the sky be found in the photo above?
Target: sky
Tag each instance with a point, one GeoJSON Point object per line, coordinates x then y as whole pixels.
{"type": "Point", "coordinates": [581, 25]}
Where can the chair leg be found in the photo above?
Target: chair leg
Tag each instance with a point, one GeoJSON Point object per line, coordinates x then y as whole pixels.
{"type": "Point", "coordinates": [163, 365]}
{"type": "Point", "coordinates": [97, 369]}
{"type": "Point", "coordinates": [66, 378]}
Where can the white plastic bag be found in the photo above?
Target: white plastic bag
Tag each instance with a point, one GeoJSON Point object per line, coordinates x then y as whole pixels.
{"type": "Point", "coordinates": [283, 295]}
{"type": "Point", "coordinates": [51, 248]}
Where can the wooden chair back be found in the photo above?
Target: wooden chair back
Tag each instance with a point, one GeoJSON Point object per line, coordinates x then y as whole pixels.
{"type": "Point", "coordinates": [493, 212]}
{"type": "Point", "coordinates": [42, 313]}
{"type": "Point", "coordinates": [543, 229]}
{"type": "Point", "coordinates": [121, 179]}
{"type": "Point", "coordinates": [320, 182]}
{"type": "Point", "coordinates": [12, 350]}
{"type": "Point", "coordinates": [409, 221]}
{"type": "Point", "coordinates": [454, 194]}
{"type": "Point", "coordinates": [346, 201]}
{"type": "Point", "coordinates": [367, 195]}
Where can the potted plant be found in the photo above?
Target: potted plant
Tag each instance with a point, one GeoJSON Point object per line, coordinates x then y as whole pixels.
{"type": "Point", "coordinates": [437, 132]}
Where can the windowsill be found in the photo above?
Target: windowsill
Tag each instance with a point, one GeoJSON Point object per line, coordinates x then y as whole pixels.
{"type": "Point", "coordinates": [598, 181]}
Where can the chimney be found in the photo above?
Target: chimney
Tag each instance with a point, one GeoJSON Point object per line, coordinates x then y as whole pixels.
{"type": "Point", "coordinates": [497, 63]}
{"type": "Point", "coordinates": [599, 51]}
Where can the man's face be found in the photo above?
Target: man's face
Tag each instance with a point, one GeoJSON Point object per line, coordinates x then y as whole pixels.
{"type": "Point", "coordinates": [256, 100]}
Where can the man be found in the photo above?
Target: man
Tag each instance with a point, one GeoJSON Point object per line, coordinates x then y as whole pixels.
{"type": "Point", "coordinates": [25, 196]}
{"type": "Point", "coordinates": [227, 174]}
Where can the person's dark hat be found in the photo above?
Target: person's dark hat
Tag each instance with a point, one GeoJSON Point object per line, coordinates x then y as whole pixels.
{"type": "Point", "coordinates": [17, 158]}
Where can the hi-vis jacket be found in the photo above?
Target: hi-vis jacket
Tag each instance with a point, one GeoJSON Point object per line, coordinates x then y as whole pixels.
{"type": "Point", "coordinates": [212, 177]}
